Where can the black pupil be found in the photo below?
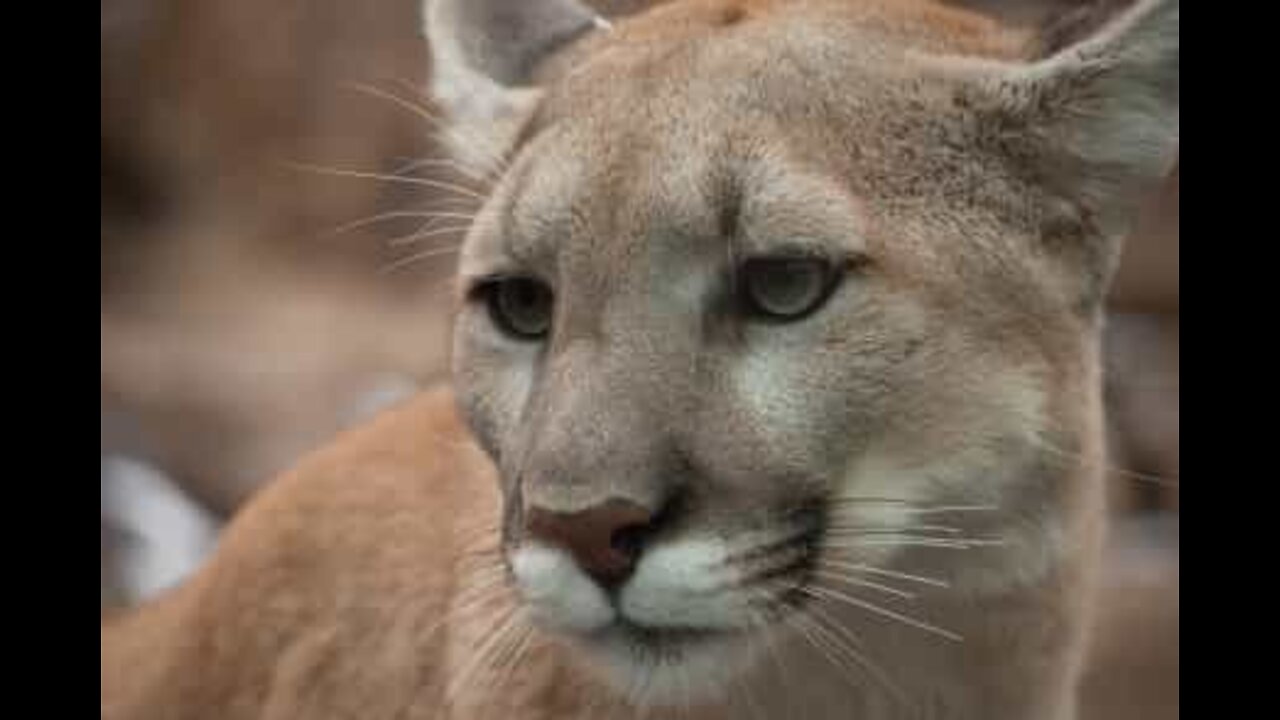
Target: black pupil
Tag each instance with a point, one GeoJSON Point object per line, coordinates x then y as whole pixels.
{"type": "Point", "coordinates": [785, 286]}
{"type": "Point", "coordinates": [523, 306]}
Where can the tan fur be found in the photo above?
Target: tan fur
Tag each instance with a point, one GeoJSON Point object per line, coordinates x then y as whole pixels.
{"type": "Point", "coordinates": [389, 576]}
{"type": "Point", "coordinates": [326, 596]}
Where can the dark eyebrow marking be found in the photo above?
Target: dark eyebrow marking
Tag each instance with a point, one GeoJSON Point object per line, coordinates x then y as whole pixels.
{"type": "Point", "coordinates": [730, 209]}
{"type": "Point", "coordinates": [728, 222]}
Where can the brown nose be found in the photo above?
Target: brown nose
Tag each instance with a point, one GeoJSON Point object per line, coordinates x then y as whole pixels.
{"type": "Point", "coordinates": [604, 539]}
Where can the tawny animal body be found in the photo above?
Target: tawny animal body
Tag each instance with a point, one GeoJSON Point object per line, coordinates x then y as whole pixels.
{"type": "Point", "coordinates": [346, 592]}
{"type": "Point", "coordinates": [668, 482]}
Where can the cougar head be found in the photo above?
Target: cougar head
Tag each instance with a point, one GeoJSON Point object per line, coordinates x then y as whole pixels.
{"type": "Point", "coordinates": [770, 296]}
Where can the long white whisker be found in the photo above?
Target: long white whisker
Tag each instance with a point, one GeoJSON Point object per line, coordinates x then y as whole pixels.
{"type": "Point", "coordinates": [875, 670]}
{"type": "Point", "coordinates": [485, 650]}
{"type": "Point", "coordinates": [382, 217]}
{"type": "Point", "coordinates": [392, 267]}
{"type": "Point", "coordinates": [870, 500]}
{"type": "Point", "coordinates": [1124, 472]}
{"type": "Point", "coordinates": [423, 233]}
{"type": "Point", "coordinates": [838, 596]}
{"type": "Point", "coordinates": [507, 660]}
{"type": "Point", "coordinates": [934, 510]}
{"type": "Point", "coordinates": [424, 182]}
{"type": "Point", "coordinates": [847, 579]}
{"type": "Point", "coordinates": [492, 160]}
{"type": "Point", "coordinates": [914, 511]}
{"type": "Point", "coordinates": [858, 567]}
{"type": "Point", "coordinates": [846, 645]}
{"type": "Point", "coordinates": [874, 529]}
{"type": "Point", "coordinates": [807, 628]}
{"type": "Point", "coordinates": [438, 162]}
{"type": "Point", "coordinates": [914, 542]}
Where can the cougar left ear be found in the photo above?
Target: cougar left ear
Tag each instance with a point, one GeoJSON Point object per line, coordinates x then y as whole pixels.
{"type": "Point", "coordinates": [484, 54]}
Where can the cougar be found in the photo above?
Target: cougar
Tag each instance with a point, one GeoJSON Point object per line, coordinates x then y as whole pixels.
{"type": "Point", "coordinates": [776, 387]}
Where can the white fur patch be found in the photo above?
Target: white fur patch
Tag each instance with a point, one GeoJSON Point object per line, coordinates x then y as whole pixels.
{"type": "Point", "coordinates": [684, 584]}
{"type": "Point", "coordinates": [558, 592]}
{"type": "Point", "coordinates": [765, 383]}
{"type": "Point", "coordinates": [974, 477]}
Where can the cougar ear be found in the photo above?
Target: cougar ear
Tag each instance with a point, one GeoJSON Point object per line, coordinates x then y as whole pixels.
{"type": "Point", "coordinates": [1097, 123]}
{"type": "Point", "coordinates": [484, 54]}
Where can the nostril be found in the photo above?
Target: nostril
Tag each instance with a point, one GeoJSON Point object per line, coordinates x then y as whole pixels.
{"type": "Point", "coordinates": [629, 540]}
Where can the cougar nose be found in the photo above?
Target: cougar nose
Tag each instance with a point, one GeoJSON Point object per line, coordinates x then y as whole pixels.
{"type": "Point", "coordinates": [605, 539]}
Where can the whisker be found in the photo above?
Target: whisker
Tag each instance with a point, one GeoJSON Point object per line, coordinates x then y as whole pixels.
{"type": "Point", "coordinates": [838, 596]}
{"type": "Point", "coordinates": [423, 233]}
{"type": "Point", "coordinates": [454, 165]}
{"type": "Point", "coordinates": [507, 660]}
{"type": "Point", "coordinates": [413, 107]}
{"type": "Point", "coordinates": [382, 217]}
{"type": "Point", "coordinates": [845, 578]}
{"type": "Point", "coordinates": [441, 215]}
{"type": "Point", "coordinates": [916, 542]}
{"type": "Point", "coordinates": [807, 628]}
{"type": "Point", "coordinates": [880, 530]}
{"type": "Point", "coordinates": [398, 264]}
{"type": "Point", "coordinates": [837, 649]}
{"type": "Point", "coordinates": [870, 500]}
{"type": "Point", "coordinates": [876, 534]}
{"type": "Point", "coordinates": [870, 570]}
{"type": "Point", "coordinates": [484, 651]}
{"type": "Point", "coordinates": [910, 506]}
{"type": "Point", "coordinates": [845, 645]}
{"type": "Point", "coordinates": [875, 670]}
{"type": "Point", "coordinates": [934, 510]}
{"type": "Point", "coordinates": [424, 182]}
{"type": "Point", "coordinates": [492, 159]}
{"type": "Point", "coordinates": [1123, 472]}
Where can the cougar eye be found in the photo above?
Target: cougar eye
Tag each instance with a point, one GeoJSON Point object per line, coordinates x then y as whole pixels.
{"type": "Point", "coordinates": [786, 288]}
{"type": "Point", "coordinates": [520, 306]}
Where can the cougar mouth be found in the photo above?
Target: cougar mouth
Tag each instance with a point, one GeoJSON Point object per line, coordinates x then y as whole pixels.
{"type": "Point", "coordinates": [770, 581]}
{"type": "Point", "coordinates": [663, 641]}
{"type": "Point", "coordinates": [695, 613]}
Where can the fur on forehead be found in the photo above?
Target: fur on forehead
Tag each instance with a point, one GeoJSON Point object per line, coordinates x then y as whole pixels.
{"type": "Point", "coordinates": [1093, 127]}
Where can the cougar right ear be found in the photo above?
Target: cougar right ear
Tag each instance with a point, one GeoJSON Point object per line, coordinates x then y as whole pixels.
{"type": "Point", "coordinates": [1096, 123]}
{"type": "Point", "coordinates": [484, 54]}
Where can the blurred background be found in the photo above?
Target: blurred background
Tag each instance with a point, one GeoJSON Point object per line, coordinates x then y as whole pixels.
{"type": "Point", "coordinates": [258, 293]}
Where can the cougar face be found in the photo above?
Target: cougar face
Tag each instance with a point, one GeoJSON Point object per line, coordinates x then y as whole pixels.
{"type": "Point", "coordinates": [764, 306]}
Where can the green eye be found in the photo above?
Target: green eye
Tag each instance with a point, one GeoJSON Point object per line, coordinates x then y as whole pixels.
{"type": "Point", "coordinates": [786, 288]}
{"type": "Point", "coordinates": [520, 306]}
